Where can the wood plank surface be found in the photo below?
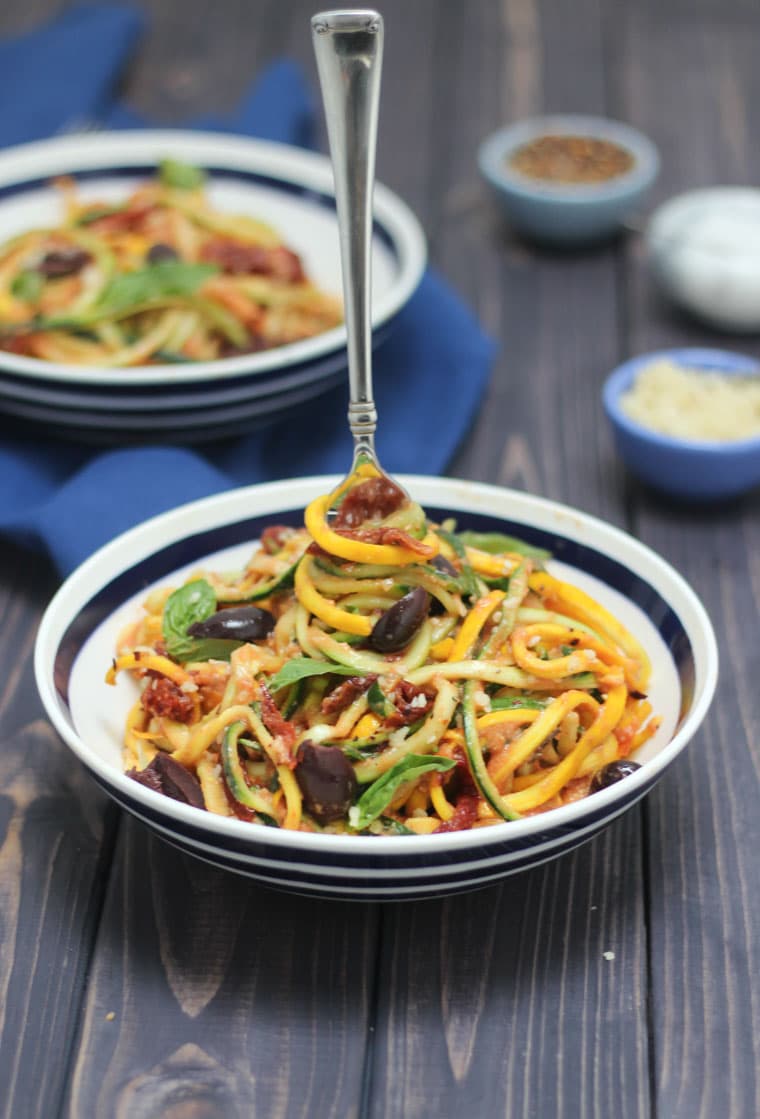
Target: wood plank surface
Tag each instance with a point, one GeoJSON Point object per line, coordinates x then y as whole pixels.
{"type": "Point", "coordinates": [702, 825]}
{"type": "Point", "coordinates": [56, 835]}
{"type": "Point", "coordinates": [211, 994]}
{"type": "Point", "coordinates": [620, 980]}
{"type": "Point", "coordinates": [516, 1000]}
{"type": "Point", "coordinates": [555, 314]}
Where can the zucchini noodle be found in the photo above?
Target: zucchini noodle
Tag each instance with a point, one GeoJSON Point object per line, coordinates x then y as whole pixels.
{"type": "Point", "coordinates": [375, 673]}
{"type": "Point", "coordinates": [159, 278]}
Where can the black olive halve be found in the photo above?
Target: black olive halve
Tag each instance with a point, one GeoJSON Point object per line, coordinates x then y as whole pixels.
{"type": "Point", "coordinates": [397, 626]}
{"type": "Point", "coordinates": [63, 262]}
{"type": "Point", "coordinates": [327, 781]}
{"type": "Point", "coordinates": [612, 773]}
{"type": "Point", "coordinates": [160, 251]}
{"type": "Point", "coordinates": [165, 775]}
{"type": "Point", "coordinates": [240, 623]}
{"type": "Point", "coordinates": [440, 563]}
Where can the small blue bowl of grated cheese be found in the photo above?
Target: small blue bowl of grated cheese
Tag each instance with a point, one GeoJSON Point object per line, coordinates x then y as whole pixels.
{"type": "Point", "coordinates": [687, 421]}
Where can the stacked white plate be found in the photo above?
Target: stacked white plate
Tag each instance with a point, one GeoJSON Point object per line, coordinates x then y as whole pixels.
{"type": "Point", "coordinates": [287, 187]}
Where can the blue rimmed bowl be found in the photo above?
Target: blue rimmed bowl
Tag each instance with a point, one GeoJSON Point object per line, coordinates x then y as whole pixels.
{"type": "Point", "coordinates": [690, 469]}
{"type": "Point", "coordinates": [286, 187]}
{"type": "Point", "coordinates": [77, 637]}
{"type": "Point", "coordinates": [567, 213]}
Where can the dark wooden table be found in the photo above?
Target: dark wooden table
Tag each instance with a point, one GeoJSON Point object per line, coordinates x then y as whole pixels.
{"type": "Point", "coordinates": [621, 980]}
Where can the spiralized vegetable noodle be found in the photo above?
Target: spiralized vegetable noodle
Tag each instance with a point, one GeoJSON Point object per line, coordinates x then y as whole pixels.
{"type": "Point", "coordinates": [375, 673]}
{"type": "Point", "coordinates": [161, 277]}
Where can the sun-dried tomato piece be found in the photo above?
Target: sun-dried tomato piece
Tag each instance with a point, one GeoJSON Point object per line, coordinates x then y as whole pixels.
{"type": "Point", "coordinates": [371, 500]}
{"type": "Point", "coordinates": [236, 259]}
{"type": "Point", "coordinates": [166, 700]}
{"type": "Point", "coordinates": [284, 732]}
{"type": "Point", "coordinates": [128, 220]}
{"type": "Point", "coordinates": [408, 700]}
{"type": "Point", "coordinates": [274, 537]}
{"type": "Point", "coordinates": [386, 534]}
{"type": "Point", "coordinates": [345, 693]}
{"type": "Point", "coordinates": [465, 815]}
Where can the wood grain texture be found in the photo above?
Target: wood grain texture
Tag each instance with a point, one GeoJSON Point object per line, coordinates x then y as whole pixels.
{"type": "Point", "coordinates": [210, 996]}
{"type": "Point", "coordinates": [55, 840]}
{"type": "Point", "coordinates": [704, 919]}
{"type": "Point", "coordinates": [620, 980]}
{"type": "Point", "coordinates": [516, 1000]}
{"type": "Point", "coordinates": [555, 315]}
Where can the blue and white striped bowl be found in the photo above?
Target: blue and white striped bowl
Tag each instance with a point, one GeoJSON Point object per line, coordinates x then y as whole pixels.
{"type": "Point", "coordinates": [287, 187]}
{"type": "Point", "coordinates": [77, 638]}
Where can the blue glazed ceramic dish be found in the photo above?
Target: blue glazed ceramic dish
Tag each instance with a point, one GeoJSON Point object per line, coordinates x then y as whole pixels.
{"type": "Point", "coordinates": [78, 634]}
{"type": "Point", "coordinates": [567, 213]}
{"type": "Point", "coordinates": [688, 469]}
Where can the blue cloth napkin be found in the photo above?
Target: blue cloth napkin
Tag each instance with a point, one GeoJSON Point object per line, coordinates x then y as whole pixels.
{"type": "Point", "coordinates": [70, 499]}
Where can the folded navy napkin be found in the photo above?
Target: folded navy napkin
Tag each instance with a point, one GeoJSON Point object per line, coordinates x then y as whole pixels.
{"type": "Point", "coordinates": [429, 376]}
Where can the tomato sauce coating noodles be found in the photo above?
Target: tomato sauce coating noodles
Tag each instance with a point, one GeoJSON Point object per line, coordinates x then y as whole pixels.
{"type": "Point", "coordinates": [374, 673]}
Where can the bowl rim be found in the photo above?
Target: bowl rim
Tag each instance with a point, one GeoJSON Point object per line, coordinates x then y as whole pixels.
{"type": "Point", "coordinates": [311, 171]}
{"type": "Point", "coordinates": [700, 358]}
{"type": "Point", "coordinates": [151, 535]}
{"type": "Point", "coordinates": [506, 140]}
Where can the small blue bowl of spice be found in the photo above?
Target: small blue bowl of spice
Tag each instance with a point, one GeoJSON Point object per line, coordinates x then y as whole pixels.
{"type": "Point", "coordinates": [687, 421]}
{"type": "Point", "coordinates": [569, 179]}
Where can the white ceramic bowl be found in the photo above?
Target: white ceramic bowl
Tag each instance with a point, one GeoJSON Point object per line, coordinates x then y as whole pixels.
{"type": "Point", "coordinates": [704, 253]}
{"type": "Point", "coordinates": [287, 187]}
{"type": "Point", "coordinates": [77, 636]}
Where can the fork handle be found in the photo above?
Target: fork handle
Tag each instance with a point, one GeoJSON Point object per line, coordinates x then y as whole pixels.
{"type": "Point", "coordinates": [349, 49]}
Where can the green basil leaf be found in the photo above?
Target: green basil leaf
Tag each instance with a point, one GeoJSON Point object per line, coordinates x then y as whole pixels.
{"type": "Point", "coordinates": [181, 176]}
{"type": "Point", "coordinates": [300, 667]}
{"type": "Point", "coordinates": [28, 285]}
{"type": "Point", "coordinates": [498, 542]}
{"type": "Point", "coordinates": [154, 281]}
{"type": "Point", "coordinates": [194, 602]}
{"type": "Point", "coordinates": [377, 796]}
{"type": "Point", "coordinates": [354, 752]}
{"type": "Point", "coordinates": [501, 584]}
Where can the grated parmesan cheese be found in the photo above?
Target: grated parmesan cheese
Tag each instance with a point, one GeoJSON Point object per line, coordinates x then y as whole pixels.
{"type": "Point", "coordinates": [693, 403]}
